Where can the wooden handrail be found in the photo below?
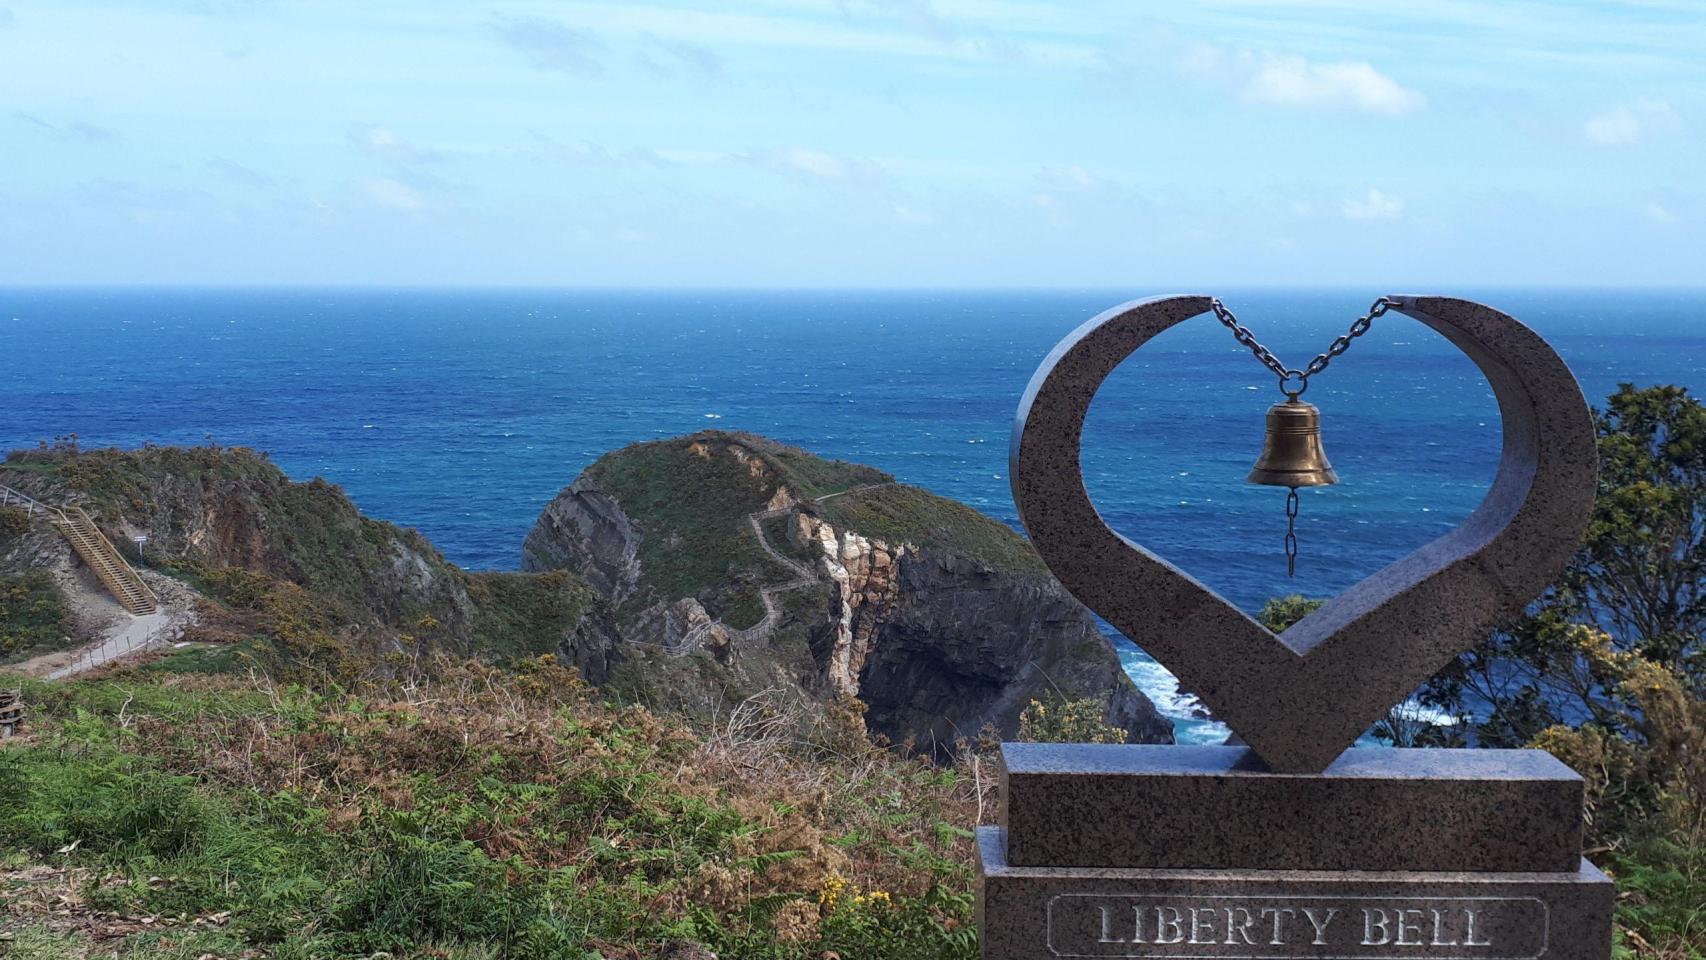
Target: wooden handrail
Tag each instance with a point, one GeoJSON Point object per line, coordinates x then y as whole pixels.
{"type": "Point", "coordinates": [8, 494]}
{"type": "Point", "coordinates": [110, 566]}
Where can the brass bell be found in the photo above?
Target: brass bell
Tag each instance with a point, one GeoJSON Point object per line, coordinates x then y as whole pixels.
{"type": "Point", "coordinates": [1291, 453]}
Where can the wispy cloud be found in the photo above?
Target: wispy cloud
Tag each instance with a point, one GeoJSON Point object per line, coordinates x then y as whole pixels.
{"type": "Point", "coordinates": [917, 16]}
{"type": "Point", "coordinates": [1631, 123]}
{"type": "Point", "coordinates": [7, 18]}
{"type": "Point", "coordinates": [387, 144]}
{"type": "Point", "coordinates": [813, 163]}
{"type": "Point", "coordinates": [74, 131]}
{"type": "Point", "coordinates": [552, 45]}
{"type": "Point", "coordinates": [393, 194]}
{"type": "Point", "coordinates": [1263, 76]}
{"type": "Point", "coordinates": [1348, 84]}
{"type": "Point", "coordinates": [912, 215]}
{"type": "Point", "coordinates": [1375, 205]}
{"type": "Point", "coordinates": [240, 174]}
{"type": "Point", "coordinates": [671, 56]}
{"type": "Point", "coordinates": [547, 149]}
{"type": "Point", "coordinates": [1657, 212]}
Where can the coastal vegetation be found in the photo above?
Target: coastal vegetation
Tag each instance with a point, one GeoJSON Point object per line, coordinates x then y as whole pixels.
{"type": "Point", "coordinates": [464, 812]}
{"type": "Point", "coordinates": [32, 615]}
{"type": "Point", "coordinates": [695, 506]}
{"type": "Point", "coordinates": [287, 786]}
{"type": "Point", "coordinates": [1607, 671]}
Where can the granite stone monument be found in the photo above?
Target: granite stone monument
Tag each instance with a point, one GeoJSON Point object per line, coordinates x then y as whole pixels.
{"type": "Point", "coordinates": [1291, 842]}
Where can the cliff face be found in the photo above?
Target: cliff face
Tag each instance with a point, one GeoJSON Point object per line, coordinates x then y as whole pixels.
{"type": "Point", "coordinates": [214, 508]}
{"type": "Point", "coordinates": [585, 530]}
{"type": "Point", "coordinates": [830, 580]}
{"type": "Point", "coordinates": [964, 645]}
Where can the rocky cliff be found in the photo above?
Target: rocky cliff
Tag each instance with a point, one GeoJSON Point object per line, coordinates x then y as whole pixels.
{"type": "Point", "coordinates": [210, 510]}
{"type": "Point", "coordinates": [736, 565]}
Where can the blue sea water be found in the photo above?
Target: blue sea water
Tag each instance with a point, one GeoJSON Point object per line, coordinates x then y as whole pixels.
{"type": "Point", "coordinates": [462, 412]}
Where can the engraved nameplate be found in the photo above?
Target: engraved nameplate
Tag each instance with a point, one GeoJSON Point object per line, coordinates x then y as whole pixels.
{"type": "Point", "coordinates": [1195, 927]}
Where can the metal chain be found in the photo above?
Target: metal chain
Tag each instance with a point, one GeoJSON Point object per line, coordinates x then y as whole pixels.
{"type": "Point", "coordinates": [1337, 348]}
{"type": "Point", "coordinates": [1291, 533]}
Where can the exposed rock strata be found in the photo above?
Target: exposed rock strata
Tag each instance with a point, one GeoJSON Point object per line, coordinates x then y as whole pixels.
{"type": "Point", "coordinates": [936, 644]}
{"type": "Point", "coordinates": [583, 529]}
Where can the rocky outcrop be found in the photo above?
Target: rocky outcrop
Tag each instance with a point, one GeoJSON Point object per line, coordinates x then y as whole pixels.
{"type": "Point", "coordinates": [937, 643]}
{"type": "Point", "coordinates": [938, 646]}
{"type": "Point", "coordinates": [864, 583]}
{"type": "Point", "coordinates": [964, 646]}
{"type": "Point", "coordinates": [594, 647]}
{"type": "Point", "coordinates": [584, 530]}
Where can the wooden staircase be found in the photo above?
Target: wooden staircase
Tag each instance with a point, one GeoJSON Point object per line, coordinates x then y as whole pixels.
{"type": "Point", "coordinates": [97, 552]}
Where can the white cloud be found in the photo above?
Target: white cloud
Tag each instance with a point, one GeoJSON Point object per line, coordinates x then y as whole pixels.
{"type": "Point", "coordinates": [815, 163]}
{"type": "Point", "coordinates": [1657, 212]}
{"type": "Point", "coordinates": [73, 131]}
{"type": "Point", "coordinates": [551, 45]}
{"type": "Point", "coordinates": [1631, 123]}
{"type": "Point", "coordinates": [387, 144]}
{"type": "Point", "coordinates": [906, 214]}
{"type": "Point", "coordinates": [1374, 206]}
{"type": "Point", "coordinates": [1074, 177]}
{"type": "Point", "coordinates": [397, 196]}
{"type": "Point", "coordinates": [670, 56]}
{"type": "Point", "coordinates": [1346, 84]}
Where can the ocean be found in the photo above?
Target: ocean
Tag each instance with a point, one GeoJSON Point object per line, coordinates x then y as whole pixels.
{"type": "Point", "coordinates": [461, 413]}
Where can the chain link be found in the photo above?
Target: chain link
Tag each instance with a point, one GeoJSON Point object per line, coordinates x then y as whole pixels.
{"type": "Point", "coordinates": [1337, 348]}
{"type": "Point", "coordinates": [1291, 533]}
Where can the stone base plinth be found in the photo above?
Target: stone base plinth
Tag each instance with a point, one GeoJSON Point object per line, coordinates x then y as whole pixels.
{"type": "Point", "coordinates": [1216, 807]}
{"type": "Point", "coordinates": [1031, 913]}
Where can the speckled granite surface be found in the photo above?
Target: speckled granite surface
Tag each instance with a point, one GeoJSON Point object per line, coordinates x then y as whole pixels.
{"type": "Point", "coordinates": [1105, 805]}
{"type": "Point", "coordinates": [1029, 913]}
{"type": "Point", "coordinates": [1294, 847]}
{"type": "Point", "coordinates": [1302, 698]}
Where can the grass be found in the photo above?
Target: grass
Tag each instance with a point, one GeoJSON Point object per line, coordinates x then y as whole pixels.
{"type": "Point", "coordinates": [691, 497]}
{"type": "Point", "coordinates": [476, 815]}
{"type": "Point", "coordinates": [226, 659]}
{"type": "Point", "coordinates": [898, 513]}
{"type": "Point", "coordinates": [43, 943]}
{"type": "Point", "coordinates": [524, 614]}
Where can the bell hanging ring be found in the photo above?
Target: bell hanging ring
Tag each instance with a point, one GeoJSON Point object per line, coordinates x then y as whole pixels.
{"type": "Point", "coordinates": [1291, 453]}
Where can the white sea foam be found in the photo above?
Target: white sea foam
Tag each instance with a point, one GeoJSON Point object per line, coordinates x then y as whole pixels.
{"type": "Point", "coordinates": [1191, 722]}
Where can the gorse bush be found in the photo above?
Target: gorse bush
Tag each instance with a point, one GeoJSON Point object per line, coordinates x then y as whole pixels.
{"type": "Point", "coordinates": [1059, 720]}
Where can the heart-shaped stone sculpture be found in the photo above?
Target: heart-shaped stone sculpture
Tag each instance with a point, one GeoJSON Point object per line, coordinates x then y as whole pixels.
{"type": "Point", "coordinates": [1301, 698]}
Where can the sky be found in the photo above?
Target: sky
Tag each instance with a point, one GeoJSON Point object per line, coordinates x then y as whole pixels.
{"type": "Point", "coordinates": [853, 143]}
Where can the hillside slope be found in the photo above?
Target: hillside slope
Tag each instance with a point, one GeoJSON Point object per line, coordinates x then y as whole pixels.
{"type": "Point", "coordinates": [736, 564]}
{"type": "Point", "coordinates": [228, 522]}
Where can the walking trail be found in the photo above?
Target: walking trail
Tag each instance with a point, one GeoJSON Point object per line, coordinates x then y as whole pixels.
{"type": "Point", "coordinates": [804, 576]}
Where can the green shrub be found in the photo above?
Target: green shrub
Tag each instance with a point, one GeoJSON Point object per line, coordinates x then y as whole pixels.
{"type": "Point", "coordinates": [14, 522]}
{"type": "Point", "coordinates": [34, 616]}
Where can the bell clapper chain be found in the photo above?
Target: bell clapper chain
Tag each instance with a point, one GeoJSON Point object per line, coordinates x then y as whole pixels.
{"type": "Point", "coordinates": [1292, 455]}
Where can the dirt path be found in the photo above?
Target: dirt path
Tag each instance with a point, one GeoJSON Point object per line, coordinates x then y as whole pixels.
{"type": "Point", "coordinates": [127, 638]}
{"type": "Point", "coordinates": [804, 576]}
{"type": "Point", "coordinates": [117, 633]}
